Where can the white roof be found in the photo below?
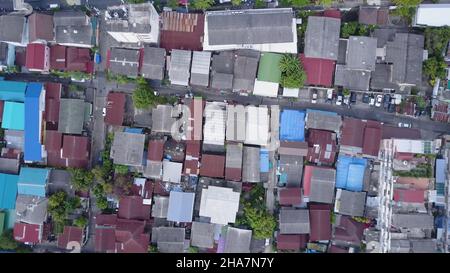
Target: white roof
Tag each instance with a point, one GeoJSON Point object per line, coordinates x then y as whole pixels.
{"type": "Point", "coordinates": [172, 171]}
{"type": "Point", "coordinates": [414, 146]}
{"type": "Point", "coordinates": [215, 119]}
{"type": "Point", "coordinates": [266, 89]}
{"type": "Point", "coordinates": [220, 204]}
{"type": "Point", "coordinates": [436, 15]}
{"type": "Point", "coordinates": [290, 92]}
{"type": "Point", "coordinates": [200, 62]}
{"type": "Point", "coordinates": [257, 125]}
{"type": "Point", "coordinates": [236, 122]}
{"type": "Point", "coordinates": [180, 63]}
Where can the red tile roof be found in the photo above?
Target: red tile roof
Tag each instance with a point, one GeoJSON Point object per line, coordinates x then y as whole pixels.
{"type": "Point", "coordinates": [318, 143]}
{"type": "Point", "coordinates": [332, 13]}
{"type": "Point", "coordinates": [155, 150]}
{"type": "Point", "coordinates": [195, 129]}
{"type": "Point", "coordinates": [349, 230]}
{"type": "Point", "coordinates": [291, 242]}
{"type": "Point", "coordinates": [106, 220]}
{"type": "Point", "coordinates": [53, 141]}
{"type": "Point", "coordinates": [307, 174]}
{"type": "Point", "coordinates": [212, 165]}
{"type": "Point", "coordinates": [159, 189]}
{"type": "Point", "coordinates": [76, 150]}
{"type": "Point", "coordinates": [372, 138]}
{"type": "Point", "coordinates": [320, 221]}
{"type": "Point", "coordinates": [409, 195]}
{"type": "Point", "coordinates": [193, 148]}
{"type": "Point", "coordinates": [146, 192]}
{"type": "Point", "coordinates": [290, 196]}
{"type": "Point", "coordinates": [27, 233]}
{"type": "Point", "coordinates": [130, 237]}
{"type": "Point", "coordinates": [52, 98]}
{"type": "Point", "coordinates": [191, 167]}
{"type": "Point", "coordinates": [105, 240]}
{"type": "Point", "coordinates": [58, 57]}
{"type": "Point", "coordinates": [318, 71]}
{"type": "Point", "coordinates": [70, 234]}
{"type": "Point", "coordinates": [414, 182]}
{"type": "Point", "coordinates": [352, 132]}
{"type": "Point", "coordinates": [132, 207]}
{"type": "Point", "coordinates": [363, 134]}
{"type": "Point", "coordinates": [78, 59]}
{"type": "Point", "coordinates": [172, 37]}
{"type": "Point", "coordinates": [115, 108]}
{"type": "Point", "coordinates": [35, 58]}
{"type": "Point", "coordinates": [396, 132]}
{"type": "Point", "coordinates": [40, 27]}
{"type": "Point", "coordinates": [234, 174]}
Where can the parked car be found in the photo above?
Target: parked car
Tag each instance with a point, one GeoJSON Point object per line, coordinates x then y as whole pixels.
{"type": "Point", "coordinates": [339, 100]}
{"type": "Point", "coordinates": [386, 101]}
{"type": "Point", "coordinates": [366, 98]}
{"type": "Point", "coordinates": [372, 101]}
{"type": "Point", "coordinates": [104, 111]}
{"type": "Point", "coordinates": [314, 97]}
{"type": "Point", "coordinates": [330, 94]}
{"type": "Point", "coordinates": [156, 93]}
{"type": "Point", "coordinates": [346, 101]}
{"type": "Point", "coordinates": [353, 98]}
{"type": "Point", "coordinates": [404, 125]}
{"type": "Point", "coordinates": [379, 100]}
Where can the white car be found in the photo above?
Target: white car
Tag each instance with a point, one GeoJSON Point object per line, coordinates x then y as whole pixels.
{"type": "Point", "coordinates": [404, 125]}
{"type": "Point", "coordinates": [104, 111]}
{"type": "Point", "coordinates": [156, 93]}
{"type": "Point", "coordinates": [346, 101]}
{"type": "Point", "coordinates": [314, 98]}
{"type": "Point", "coordinates": [339, 100]}
{"type": "Point", "coordinates": [379, 100]}
{"type": "Point", "coordinates": [330, 94]}
{"type": "Point", "coordinates": [372, 101]}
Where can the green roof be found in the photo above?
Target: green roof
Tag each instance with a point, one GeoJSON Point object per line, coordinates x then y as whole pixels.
{"type": "Point", "coordinates": [448, 84]}
{"type": "Point", "coordinates": [13, 116]}
{"type": "Point", "coordinates": [269, 70]}
{"type": "Point", "coordinates": [2, 221]}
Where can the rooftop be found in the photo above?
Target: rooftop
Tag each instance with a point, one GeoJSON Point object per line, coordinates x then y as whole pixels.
{"type": "Point", "coordinates": [322, 37]}
{"type": "Point", "coordinates": [128, 149]}
{"type": "Point", "coordinates": [237, 240]}
{"type": "Point", "coordinates": [294, 221]}
{"type": "Point", "coordinates": [153, 63]}
{"type": "Point", "coordinates": [115, 108]}
{"type": "Point", "coordinates": [318, 71]}
{"type": "Point", "coordinates": [350, 203]}
{"type": "Point", "coordinates": [71, 116]}
{"type": "Point", "coordinates": [181, 206]}
{"type": "Point", "coordinates": [220, 204]}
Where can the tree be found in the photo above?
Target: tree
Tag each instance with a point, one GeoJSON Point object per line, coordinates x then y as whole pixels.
{"type": "Point", "coordinates": [434, 68]}
{"type": "Point", "coordinates": [292, 73]}
{"type": "Point", "coordinates": [260, 221]}
{"type": "Point", "coordinates": [102, 203]}
{"type": "Point", "coordinates": [436, 39]}
{"type": "Point", "coordinates": [325, 3]}
{"type": "Point", "coordinates": [123, 183]}
{"type": "Point", "coordinates": [81, 222]}
{"type": "Point", "coordinates": [260, 4]}
{"type": "Point", "coordinates": [346, 92]}
{"type": "Point", "coordinates": [202, 4]}
{"type": "Point", "coordinates": [236, 2]}
{"type": "Point", "coordinates": [143, 95]}
{"type": "Point", "coordinates": [406, 8]}
{"type": "Point", "coordinates": [298, 3]}
{"type": "Point", "coordinates": [72, 204]}
{"type": "Point", "coordinates": [172, 4]}
{"type": "Point", "coordinates": [81, 179]}
{"type": "Point", "coordinates": [421, 104]}
{"type": "Point", "coordinates": [348, 29]}
{"type": "Point", "coordinates": [121, 169]}
{"type": "Point", "coordinates": [7, 241]}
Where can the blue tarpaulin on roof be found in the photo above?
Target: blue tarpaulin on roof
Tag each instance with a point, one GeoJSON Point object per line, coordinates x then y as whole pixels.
{"type": "Point", "coordinates": [264, 160]}
{"type": "Point", "coordinates": [292, 125]}
{"type": "Point", "coordinates": [32, 145]}
{"type": "Point", "coordinates": [133, 130]}
{"type": "Point", "coordinates": [440, 171]}
{"type": "Point", "coordinates": [181, 206]}
{"type": "Point", "coordinates": [350, 172]}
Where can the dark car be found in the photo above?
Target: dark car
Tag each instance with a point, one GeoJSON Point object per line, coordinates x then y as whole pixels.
{"type": "Point", "coordinates": [366, 98]}
{"type": "Point", "coordinates": [391, 108]}
{"type": "Point", "coordinates": [353, 98]}
{"type": "Point", "coordinates": [386, 101]}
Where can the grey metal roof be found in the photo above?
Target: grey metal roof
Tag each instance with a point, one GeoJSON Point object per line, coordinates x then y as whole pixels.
{"type": "Point", "coordinates": [292, 167]}
{"type": "Point", "coordinates": [169, 239]}
{"type": "Point", "coordinates": [249, 26]}
{"type": "Point", "coordinates": [9, 165]}
{"type": "Point", "coordinates": [201, 61]}
{"type": "Point", "coordinates": [222, 81]}
{"type": "Point", "coordinates": [406, 54]}
{"type": "Point", "coordinates": [172, 171]}
{"type": "Point", "coordinates": [31, 209]}
{"type": "Point", "coordinates": [162, 119]}
{"type": "Point", "coordinates": [361, 52]}
{"type": "Point", "coordinates": [160, 207]}
{"type": "Point", "coordinates": [352, 79]}
{"type": "Point", "coordinates": [128, 149]}
{"type": "Point", "coordinates": [69, 18]}
{"type": "Point", "coordinates": [202, 234]}
{"type": "Point", "coordinates": [251, 165]}
{"type": "Point", "coordinates": [322, 185]}
{"type": "Point", "coordinates": [181, 206]}
{"type": "Point", "coordinates": [352, 203]}
{"type": "Point", "coordinates": [413, 220]}
{"type": "Point", "coordinates": [180, 63]}
{"type": "Point", "coordinates": [153, 63]}
{"type": "Point", "coordinates": [12, 28]}
{"type": "Point", "coordinates": [60, 180]}
{"type": "Point", "coordinates": [74, 35]}
{"type": "Point", "coordinates": [234, 156]}
{"type": "Point", "coordinates": [381, 78]}
{"type": "Point", "coordinates": [223, 62]}
{"type": "Point", "coordinates": [323, 121]}
{"type": "Point", "coordinates": [400, 246]}
{"type": "Point", "coordinates": [424, 246]}
{"type": "Point", "coordinates": [245, 68]}
{"type": "Point", "coordinates": [71, 116]}
{"type": "Point", "coordinates": [153, 169]}
{"type": "Point", "coordinates": [237, 240]}
{"type": "Point", "coordinates": [342, 55]}
{"type": "Point", "coordinates": [235, 130]}
{"type": "Point", "coordinates": [124, 61]}
{"type": "Point", "coordinates": [294, 221]}
{"type": "Point", "coordinates": [14, 139]}
{"type": "Point", "coordinates": [384, 35]}
{"type": "Point", "coordinates": [322, 37]}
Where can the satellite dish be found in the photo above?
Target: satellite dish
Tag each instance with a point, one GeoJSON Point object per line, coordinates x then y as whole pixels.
{"type": "Point", "coordinates": [74, 246]}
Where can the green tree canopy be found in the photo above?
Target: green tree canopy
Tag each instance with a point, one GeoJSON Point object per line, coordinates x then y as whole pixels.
{"type": "Point", "coordinates": [102, 203]}
{"type": "Point", "coordinates": [436, 39]}
{"type": "Point", "coordinates": [172, 4]}
{"type": "Point", "coordinates": [81, 222]}
{"type": "Point", "coordinates": [7, 241]}
{"type": "Point", "coordinates": [434, 68]}
{"type": "Point", "coordinates": [292, 73]}
{"type": "Point", "coordinates": [121, 169]}
{"type": "Point", "coordinates": [260, 221]}
{"type": "Point", "coordinates": [236, 2]}
{"type": "Point", "coordinates": [260, 4]}
{"type": "Point", "coordinates": [298, 3]}
{"type": "Point", "coordinates": [406, 8]}
{"type": "Point", "coordinates": [202, 4]}
{"type": "Point", "coordinates": [325, 3]}
{"type": "Point", "coordinates": [81, 179]}
{"type": "Point", "coordinates": [144, 97]}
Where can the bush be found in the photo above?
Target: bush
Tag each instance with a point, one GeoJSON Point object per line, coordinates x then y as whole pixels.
{"type": "Point", "coordinates": [260, 221]}
{"type": "Point", "coordinates": [81, 222]}
{"type": "Point", "coordinates": [355, 29]}
{"type": "Point", "coordinates": [81, 179]}
{"type": "Point", "coordinates": [292, 73]}
{"type": "Point", "coordinates": [434, 68]}
{"type": "Point", "coordinates": [406, 8]}
{"type": "Point", "coordinates": [102, 203]}
{"type": "Point", "coordinates": [202, 4]}
{"type": "Point", "coordinates": [121, 169]}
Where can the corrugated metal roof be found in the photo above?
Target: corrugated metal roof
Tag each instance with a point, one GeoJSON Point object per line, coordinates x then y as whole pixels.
{"type": "Point", "coordinates": [269, 69]}
{"type": "Point", "coordinates": [13, 116]}
{"type": "Point", "coordinates": [8, 190]}
{"type": "Point", "coordinates": [440, 171]}
{"type": "Point", "coordinates": [32, 181]}
{"type": "Point", "coordinates": [181, 206]}
{"type": "Point", "coordinates": [33, 146]}
{"type": "Point", "coordinates": [350, 172]}
{"type": "Point", "coordinates": [292, 125]}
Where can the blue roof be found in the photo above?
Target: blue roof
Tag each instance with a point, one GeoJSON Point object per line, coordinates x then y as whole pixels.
{"type": "Point", "coordinates": [181, 206]}
{"type": "Point", "coordinates": [12, 91]}
{"type": "Point", "coordinates": [264, 160]}
{"type": "Point", "coordinates": [440, 171]}
{"type": "Point", "coordinates": [133, 130]}
{"type": "Point", "coordinates": [350, 173]}
{"type": "Point", "coordinates": [32, 181]}
{"type": "Point", "coordinates": [8, 190]}
{"type": "Point", "coordinates": [322, 112]}
{"type": "Point", "coordinates": [32, 146]}
{"type": "Point", "coordinates": [292, 125]}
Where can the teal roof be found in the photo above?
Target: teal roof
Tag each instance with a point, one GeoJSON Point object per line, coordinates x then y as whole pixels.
{"type": "Point", "coordinates": [269, 67]}
{"type": "Point", "coordinates": [13, 116]}
{"type": "Point", "coordinates": [33, 181]}
{"type": "Point", "coordinates": [12, 91]}
{"type": "Point", "coordinates": [8, 190]}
